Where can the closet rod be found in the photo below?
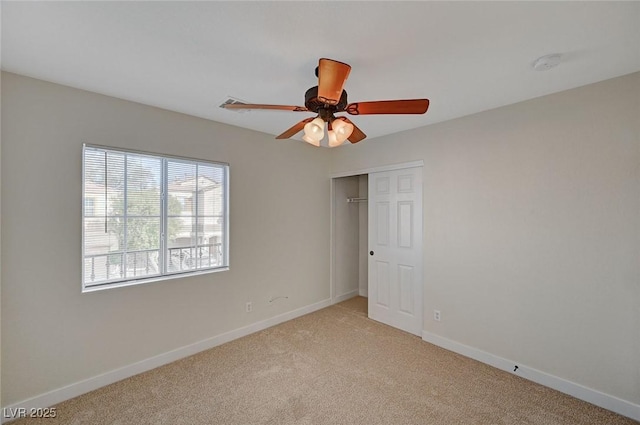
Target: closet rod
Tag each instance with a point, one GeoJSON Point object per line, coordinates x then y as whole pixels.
{"type": "Point", "coordinates": [356, 200]}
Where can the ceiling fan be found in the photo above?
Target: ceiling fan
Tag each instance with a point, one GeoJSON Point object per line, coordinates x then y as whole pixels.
{"type": "Point", "coordinates": [328, 98]}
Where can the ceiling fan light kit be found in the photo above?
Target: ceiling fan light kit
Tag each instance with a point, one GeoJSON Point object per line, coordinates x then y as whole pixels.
{"type": "Point", "coordinates": [342, 129]}
{"type": "Point", "coordinates": [328, 98]}
{"type": "Point", "coordinates": [314, 131]}
{"type": "Point", "coordinates": [333, 139]}
{"type": "Point", "coordinates": [312, 141]}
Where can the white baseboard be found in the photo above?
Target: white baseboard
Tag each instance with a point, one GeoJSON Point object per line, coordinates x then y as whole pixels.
{"type": "Point", "coordinates": [364, 293]}
{"type": "Point", "coordinates": [345, 297]}
{"type": "Point", "coordinates": [78, 388]}
{"type": "Point", "coordinates": [609, 402]}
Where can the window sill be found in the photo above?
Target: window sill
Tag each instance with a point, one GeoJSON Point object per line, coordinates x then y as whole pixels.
{"type": "Point", "coordinates": [96, 288]}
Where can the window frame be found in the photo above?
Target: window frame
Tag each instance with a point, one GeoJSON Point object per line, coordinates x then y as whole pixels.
{"type": "Point", "coordinates": [165, 273]}
{"type": "Point", "coordinates": [92, 207]}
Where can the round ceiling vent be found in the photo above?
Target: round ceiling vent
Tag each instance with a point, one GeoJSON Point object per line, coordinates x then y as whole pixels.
{"type": "Point", "coordinates": [547, 62]}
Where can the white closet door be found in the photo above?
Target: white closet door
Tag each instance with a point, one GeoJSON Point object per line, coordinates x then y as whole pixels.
{"type": "Point", "coordinates": [395, 248]}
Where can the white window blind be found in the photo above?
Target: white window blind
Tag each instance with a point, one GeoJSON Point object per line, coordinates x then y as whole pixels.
{"type": "Point", "coordinates": [149, 216]}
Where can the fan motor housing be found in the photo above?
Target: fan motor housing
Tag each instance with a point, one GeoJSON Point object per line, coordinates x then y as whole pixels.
{"type": "Point", "coordinates": [312, 103]}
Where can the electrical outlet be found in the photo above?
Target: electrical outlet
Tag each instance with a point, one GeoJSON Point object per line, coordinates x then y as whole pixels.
{"type": "Point", "coordinates": [249, 307]}
{"type": "Point", "coordinates": [436, 315]}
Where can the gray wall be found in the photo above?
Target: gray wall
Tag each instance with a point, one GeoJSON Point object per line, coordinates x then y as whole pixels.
{"type": "Point", "coordinates": [532, 230]}
{"type": "Point", "coordinates": [532, 235]}
{"type": "Point", "coordinates": [53, 335]}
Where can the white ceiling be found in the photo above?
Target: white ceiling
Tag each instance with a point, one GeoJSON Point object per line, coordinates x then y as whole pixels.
{"type": "Point", "coordinates": [189, 57]}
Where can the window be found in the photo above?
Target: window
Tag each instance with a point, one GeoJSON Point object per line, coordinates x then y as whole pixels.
{"type": "Point", "coordinates": [149, 217]}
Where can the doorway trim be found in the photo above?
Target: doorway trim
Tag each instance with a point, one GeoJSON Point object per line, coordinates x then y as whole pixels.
{"type": "Point", "coordinates": [390, 167]}
{"type": "Point", "coordinates": [332, 214]}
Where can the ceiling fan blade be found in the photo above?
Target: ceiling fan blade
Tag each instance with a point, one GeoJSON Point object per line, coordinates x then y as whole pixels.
{"type": "Point", "coordinates": [357, 134]}
{"type": "Point", "coordinates": [331, 78]}
{"type": "Point", "coordinates": [256, 106]}
{"type": "Point", "coordinates": [407, 106]}
{"type": "Point", "coordinates": [295, 129]}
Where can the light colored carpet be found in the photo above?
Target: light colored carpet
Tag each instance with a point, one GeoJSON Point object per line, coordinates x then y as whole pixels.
{"type": "Point", "coordinates": [334, 366]}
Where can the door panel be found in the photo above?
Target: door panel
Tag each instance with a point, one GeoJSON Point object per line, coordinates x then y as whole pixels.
{"type": "Point", "coordinates": [405, 286]}
{"type": "Point", "coordinates": [382, 284]}
{"type": "Point", "coordinates": [382, 185]}
{"type": "Point", "coordinates": [395, 235]}
{"type": "Point", "coordinates": [382, 222]}
{"type": "Point", "coordinates": [405, 183]}
{"type": "Point", "coordinates": [405, 224]}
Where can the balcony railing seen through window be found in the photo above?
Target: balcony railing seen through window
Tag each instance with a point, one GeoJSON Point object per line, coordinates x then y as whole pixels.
{"type": "Point", "coordinates": [148, 216]}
